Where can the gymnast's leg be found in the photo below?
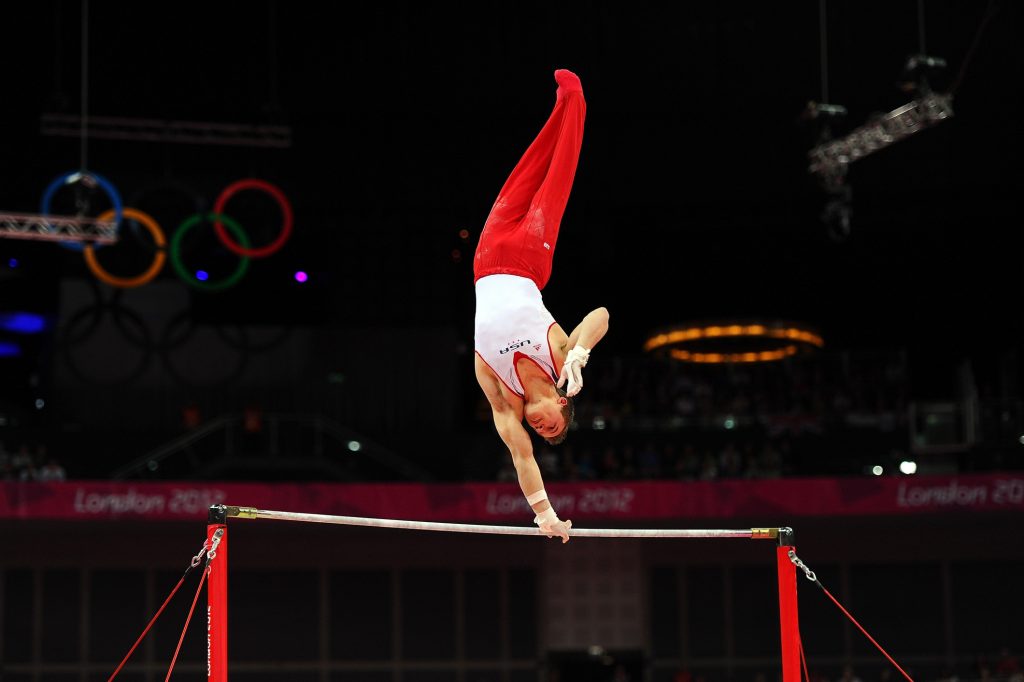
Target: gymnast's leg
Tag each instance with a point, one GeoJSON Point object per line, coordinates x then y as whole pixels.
{"type": "Point", "coordinates": [521, 231]}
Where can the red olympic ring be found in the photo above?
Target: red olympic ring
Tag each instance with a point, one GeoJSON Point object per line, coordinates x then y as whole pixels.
{"type": "Point", "coordinates": [279, 197]}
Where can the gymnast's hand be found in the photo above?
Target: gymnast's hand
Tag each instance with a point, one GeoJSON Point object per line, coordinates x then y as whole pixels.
{"type": "Point", "coordinates": [572, 374]}
{"type": "Point", "coordinates": [557, 528]}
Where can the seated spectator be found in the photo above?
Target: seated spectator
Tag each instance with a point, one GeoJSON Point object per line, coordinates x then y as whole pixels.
{"type": "Point", "coordinates": [610, 466]}
{"type": "Point", "coordinates": [730, 463]}
{"type": "Point", "coordinates": [585, 468]}
{"type": "Point", "coordinates": [650, 462]}
{"type": "Point", "coordinates": [548, 462]}
{"type": "Point", "coordinates": [769, 461]}
{"type": "Point", "coordinates": [708, 467]}
{"type": "Point", "coordinates": [628, 462]}
{"type": "Point", "coordinates": [688, 464]}
{"type": "Point", "coordinates": [51, 471]}
{"type": "Point", "coordinates": [21, 460]}
{"type": "Point", "coordinates": [1007, 664]}
{"type": "Point", "coordinates": [28, 473]}
{"type": "Point", "coordinates": [569, 464]}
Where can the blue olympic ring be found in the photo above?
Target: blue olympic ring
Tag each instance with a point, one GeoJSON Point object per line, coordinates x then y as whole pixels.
{"type": "Point", "coordinates": [71, 178]}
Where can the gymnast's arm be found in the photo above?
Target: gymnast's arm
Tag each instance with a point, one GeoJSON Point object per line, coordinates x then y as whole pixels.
{"type": "Point", "coordinates": [590, 330]}
{"type": "Point", "coordinates": [577, 348]}
{"type": "Point", "coordinates": [509, 425]}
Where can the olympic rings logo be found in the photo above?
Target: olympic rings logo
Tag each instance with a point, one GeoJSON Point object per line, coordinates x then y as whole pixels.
{"type": "Point", "coordinates": [228, 231]}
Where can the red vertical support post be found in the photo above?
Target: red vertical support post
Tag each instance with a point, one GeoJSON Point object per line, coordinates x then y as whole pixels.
{"type": "Point", "coordinates": [789, 618]}
{"type": "Point", "coordinates": [217, 596]}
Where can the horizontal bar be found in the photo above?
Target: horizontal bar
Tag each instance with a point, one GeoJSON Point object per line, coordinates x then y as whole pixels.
{"type": "Point", "coordinates": [253, 513]}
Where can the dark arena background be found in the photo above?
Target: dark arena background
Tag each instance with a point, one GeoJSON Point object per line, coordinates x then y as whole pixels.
{"type": "Point", "coordinates": [804, 220]}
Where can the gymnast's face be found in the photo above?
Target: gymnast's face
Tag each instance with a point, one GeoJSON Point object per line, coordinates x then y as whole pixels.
{"type": "Point", "coordinates": [545, 415]}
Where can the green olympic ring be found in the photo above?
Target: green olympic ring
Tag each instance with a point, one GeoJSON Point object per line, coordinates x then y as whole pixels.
{"type": "Point", "coordinates": [188, 277]}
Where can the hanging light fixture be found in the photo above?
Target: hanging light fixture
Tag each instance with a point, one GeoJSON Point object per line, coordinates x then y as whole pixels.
{"type": "Point", "coordinates": [734, 341]}
{"type": "Point", "coordinates": [831, 158]}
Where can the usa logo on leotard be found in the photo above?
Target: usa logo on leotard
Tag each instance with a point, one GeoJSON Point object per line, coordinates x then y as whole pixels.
{"type": "Point", "coordinates": [516, 345]}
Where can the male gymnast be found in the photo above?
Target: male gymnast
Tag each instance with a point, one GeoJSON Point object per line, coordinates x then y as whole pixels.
{"type": "Point", "coordinates": [523, 357]}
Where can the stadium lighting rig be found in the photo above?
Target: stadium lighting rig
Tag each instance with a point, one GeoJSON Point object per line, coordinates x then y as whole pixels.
{"type": "Point", "coordinates": [830, 159]}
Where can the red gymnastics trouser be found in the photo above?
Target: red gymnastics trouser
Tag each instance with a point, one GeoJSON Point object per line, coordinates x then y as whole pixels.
{"type": "Point", "coordinates": [521, 231]}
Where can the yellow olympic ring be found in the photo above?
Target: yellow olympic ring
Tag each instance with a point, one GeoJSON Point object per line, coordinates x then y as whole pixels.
{"type": "Point", "coordinates": [154, 269]}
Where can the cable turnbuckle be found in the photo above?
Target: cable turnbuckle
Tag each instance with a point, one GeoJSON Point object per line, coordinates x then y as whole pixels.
{"type": "Point", "coordinates": [802, 566]}
{"type": "Point", "coordinates": [217, 535]}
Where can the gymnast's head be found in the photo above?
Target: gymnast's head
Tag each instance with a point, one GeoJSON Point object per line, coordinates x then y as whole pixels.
{"type": "Point", "coordinates": [550, 415]}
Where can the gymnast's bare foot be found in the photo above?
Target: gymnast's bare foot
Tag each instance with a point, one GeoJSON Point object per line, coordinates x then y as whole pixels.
{"type": "Point", "coordinates": [567, 81]}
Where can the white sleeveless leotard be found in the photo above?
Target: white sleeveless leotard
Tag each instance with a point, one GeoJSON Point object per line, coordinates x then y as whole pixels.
{"type": "Point", "coordinates": [511, 323]}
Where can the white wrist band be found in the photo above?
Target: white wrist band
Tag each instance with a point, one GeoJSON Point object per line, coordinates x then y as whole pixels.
{"type": "Point", "coordinates": [578, 352]}
{"type": "Point", "coordinates": [546, 517]}
{"type": "Point", "coordinates": [536, 497]}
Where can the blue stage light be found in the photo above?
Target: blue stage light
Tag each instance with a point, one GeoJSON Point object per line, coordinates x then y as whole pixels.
{"type": "Point", "coordinates": [22, 323]}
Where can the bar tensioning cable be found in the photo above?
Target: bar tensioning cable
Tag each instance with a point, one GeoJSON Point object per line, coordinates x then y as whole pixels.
{"type": "Point", "coordinates": [253, 513]}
